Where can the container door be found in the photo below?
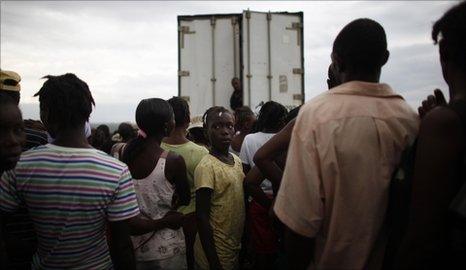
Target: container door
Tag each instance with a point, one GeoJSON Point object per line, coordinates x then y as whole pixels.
{"type": "Point", "coordinates": [273, 58]}
{"type": "Point", "coordinates": [208, 60]}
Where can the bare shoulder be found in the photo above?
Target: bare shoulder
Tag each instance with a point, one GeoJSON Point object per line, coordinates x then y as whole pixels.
{"type": "Point", "coordinates": [440, 121]}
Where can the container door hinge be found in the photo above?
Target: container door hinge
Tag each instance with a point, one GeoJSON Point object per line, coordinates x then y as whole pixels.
{"type": "Point", "coordinates": [183, 73]}
{"type": "Point", "coordinates": [296, 26]}
{"type": "Point", "coordinates": [184, 30]}
{"type": "Point", "coordinates": [298, 71]}
{"type": "Point", "coordinates": [298, 97]}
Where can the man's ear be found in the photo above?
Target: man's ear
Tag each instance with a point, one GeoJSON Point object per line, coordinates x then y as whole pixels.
{"type": "Point", "coordinates": [338, 63]}
{"type": "Point", "coordinates": [385, 58]}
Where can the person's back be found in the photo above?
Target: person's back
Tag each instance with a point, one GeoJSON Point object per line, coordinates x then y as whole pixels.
{"type": "Point", "coordinates": [359, 140]}
{"type": "Point", "coordinates": [161, 186]}
{"type": "Point", "coordinates": [69, 188]}
{"type": "Point", "coordinates": [155, 198]}
{"type": "Point", "coordinates": [345, 145]}
{"type": "Point", "coordinates": [70, 192]}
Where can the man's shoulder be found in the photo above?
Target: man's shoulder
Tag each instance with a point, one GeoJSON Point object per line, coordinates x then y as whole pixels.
{"type": "Point", "coordinates": [332, 105]}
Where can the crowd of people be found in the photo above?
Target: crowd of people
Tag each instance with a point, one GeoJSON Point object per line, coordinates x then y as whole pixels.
{"type": "Point", "coordinates": [353, 179]}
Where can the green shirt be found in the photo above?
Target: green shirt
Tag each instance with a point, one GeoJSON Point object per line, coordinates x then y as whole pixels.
{"type": "Point", "coordinates": [192, 155]}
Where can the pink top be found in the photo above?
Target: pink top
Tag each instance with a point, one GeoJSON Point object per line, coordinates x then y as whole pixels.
{"type": "Point", "coordinates": [344, 148]}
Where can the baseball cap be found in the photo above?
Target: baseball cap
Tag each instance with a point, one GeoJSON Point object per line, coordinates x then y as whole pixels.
{"type": "Point", "coordinates": [9, 81]}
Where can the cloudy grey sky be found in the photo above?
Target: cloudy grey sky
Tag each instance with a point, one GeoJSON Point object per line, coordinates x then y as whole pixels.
{"type": "Point", "coordinates": [127, 51]}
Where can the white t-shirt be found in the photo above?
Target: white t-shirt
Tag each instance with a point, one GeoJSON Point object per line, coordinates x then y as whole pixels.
{"type": "Point", "coordinates": [252, 143]}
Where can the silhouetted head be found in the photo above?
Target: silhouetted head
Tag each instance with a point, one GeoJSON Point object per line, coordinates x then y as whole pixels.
{"type": "Point", "coordinates": [359, 49]}
{"type": "Point", "coordinates": [244, 119]}
{"type": "Point", "coordinates": [12, 135]}
{"type": "Point", "coordinates": [236, 83]}
{"type": "Point", "coordinates": [450, 33]}
{"type": "Point", "coordinates": [65, 103]}
{"type": "Point", "coordinates": [271, 117]}
{"type": "Point", "coordinates": [126, 131]}
{"type": "Point", "coordinates": [105, 130]}
{"type": "Point", "coordinates": [181, 111]}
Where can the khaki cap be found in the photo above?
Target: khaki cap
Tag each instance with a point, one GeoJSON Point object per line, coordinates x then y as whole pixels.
{"type": "Point", "coordinates": [9, 81]}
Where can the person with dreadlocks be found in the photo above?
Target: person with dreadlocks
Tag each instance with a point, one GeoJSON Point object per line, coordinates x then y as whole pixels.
{"type": "Point", "coordinates": [72, 189]}
{"type": "Point", "coordinates": [218, 180]}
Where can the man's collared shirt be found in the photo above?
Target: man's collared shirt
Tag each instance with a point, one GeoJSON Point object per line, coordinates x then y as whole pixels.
{"type": "Point", "coordinates": [344, 148]}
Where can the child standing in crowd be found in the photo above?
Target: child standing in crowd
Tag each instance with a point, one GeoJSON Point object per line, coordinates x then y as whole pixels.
{"type": "Point", "coordinates": [161, 186]}
{"type": "Point", "coordinates": [218, 180]}
{"type": "Point", "coordinates": [264, 240]}
{"type": "Point", "coordinates": [192, 155]}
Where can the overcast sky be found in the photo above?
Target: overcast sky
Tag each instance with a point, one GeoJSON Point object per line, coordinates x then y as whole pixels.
{"type": "Point", "coordinates": [127, 51]}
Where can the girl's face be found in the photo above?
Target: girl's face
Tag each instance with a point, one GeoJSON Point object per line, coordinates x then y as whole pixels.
{"type": "Point", "coordinates": [12, 136]}
{"type": "Point", "coordinates": [221, 130]}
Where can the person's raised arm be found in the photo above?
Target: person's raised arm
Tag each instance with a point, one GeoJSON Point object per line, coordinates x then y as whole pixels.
{"type": "Point", "coordinates": [265, 156]}
{"type": "Point", "coordinates": [203, 197]}
{"type": "Point", "coordinates": [176, 174]}
{"type": "Point", "coordinates": [439, 147]}
{"type": "Point", "coordinates": [252, 183]}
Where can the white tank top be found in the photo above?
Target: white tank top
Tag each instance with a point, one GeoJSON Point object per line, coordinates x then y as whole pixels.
{"type": "Point", "coordinates": [154, 194]}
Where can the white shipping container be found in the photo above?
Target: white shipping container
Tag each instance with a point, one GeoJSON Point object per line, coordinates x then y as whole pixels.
{"type": "Point", "coordinates": [264, 50]}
